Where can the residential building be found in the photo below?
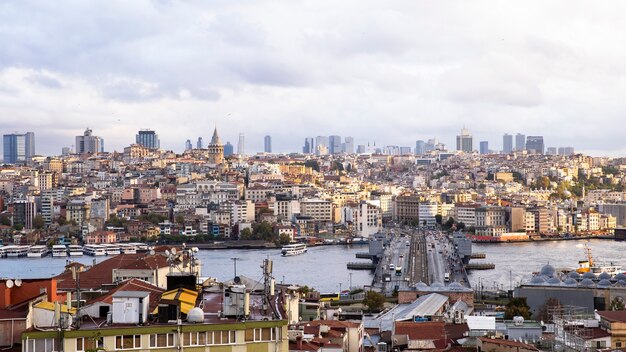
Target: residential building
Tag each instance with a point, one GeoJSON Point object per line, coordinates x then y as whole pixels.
{"type": "Point", "coordinates": [490, 221]}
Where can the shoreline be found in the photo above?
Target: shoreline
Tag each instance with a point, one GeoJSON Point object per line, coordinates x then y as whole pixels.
{"type": "Point", "coordinates": [550, 239]}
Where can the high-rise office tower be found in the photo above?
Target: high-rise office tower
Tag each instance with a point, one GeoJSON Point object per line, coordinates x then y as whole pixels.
{"type": "Point", "coordinates": [309, 146]}
{"type": "Point", "coordinates": [360, 149]}
{"type": "Point", "coordinates": [484, 147]}
{"type": "Point", "coordinates": [420, 147]}
{"type": "Point", "coordinates": [320, 141]}
{"type": "Point", "coordinates": [566, 150]}
{"type": "Point", "coordinates": [88, 143]}
{"type": "Point", "coordinates": [348, 145]}
{"type": "Point", "coordinates": [535, 144]}
{"type": "Point", "coordinates": [65, 151]}
{"type": "Point", "coordinates": [430, 145]}
{"type": "Point", "coordinates": [29, 140]}
{"type": "Point", "coordinates": [188, 145]}
{"type": "Point", "coordinates": [200, 143]}
{"type": "Point", "coordinates": [14, 148]}
{"type": "Point", "coordinates": [241, 146]}
{"type": "Point", "coordinates": [520, 141]}
{"type": "Point", "coordinates": [464, 141]}
{"type": "Point", "coordinates": [507, 143]}
{"type": "Point", "coordinates": [148, 139]}
{"type": "Point", "coordinates": [551, 151]}
{"type": "Point", "coordinates": [228, 149]}
{"type": "Point", "coordinates": [334, 144]}
{"type": "Point", "coordinates": [267, 142]}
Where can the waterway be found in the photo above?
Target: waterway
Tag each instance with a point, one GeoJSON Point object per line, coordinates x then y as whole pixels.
{"type": "Point", "coordinates": [515, 262]}
{"type": "Point", "coordinates": [323, 267]}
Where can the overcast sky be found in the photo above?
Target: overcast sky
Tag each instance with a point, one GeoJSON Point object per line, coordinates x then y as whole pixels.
{"type": "Point", "coordinates": [385, 71]}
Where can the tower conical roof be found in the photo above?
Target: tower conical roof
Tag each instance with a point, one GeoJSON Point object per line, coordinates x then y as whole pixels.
{"type": "Point", "coordinates": [216, 138]}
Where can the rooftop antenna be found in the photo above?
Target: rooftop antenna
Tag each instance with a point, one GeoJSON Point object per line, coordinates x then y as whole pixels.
{"type": "Point", "coordinates": [234, 259]}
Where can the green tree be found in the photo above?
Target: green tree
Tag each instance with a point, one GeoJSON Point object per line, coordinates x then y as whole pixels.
{"type": "Point", "coordinates": [439, 219]}
{"type": "Point", "coordinates": [246, 234]}
{"type": "Point", "coordinates": [374, 301]}
{"type": "Point", "coordinates": [617, 304]}
{"type": "Point", "coordinates": [284, 239]}
{"type": "Point", "coordinates": [18, 227]}
{"type": "Point", "coordinates": [5, 220]}
{"type": "Point", "coordinates": [517, 307]}
{"type": "Point", "coordinates": [38, 222]}
{"type": "Point", "coordinates": [180, 219]}
{"type": "Point", "coordinates": [312, 164]}
{"type": "Point", "coordinates": [264, 231]}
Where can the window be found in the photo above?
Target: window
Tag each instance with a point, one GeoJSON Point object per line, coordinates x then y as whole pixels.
{"type": "Point", "coordinates": [194, 338]}
{"type": "Point", "coordinates": [40, 345]}
{"type": "Point", "coordinates": [222, 338]}
{"type": "Point", "coordinates": [127, 342]}
{"type": "Point", "coordinates": [162, 340]}
{"type": "Point", "coordinates": [260, 334]}
{"type": "Point", "coordinates": [88, 343]}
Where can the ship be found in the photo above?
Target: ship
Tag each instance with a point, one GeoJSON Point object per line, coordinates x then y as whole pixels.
{"type": "Point", "coordinates": [293, 249]}
{"type": "Point", "coordinates": [590, 265]}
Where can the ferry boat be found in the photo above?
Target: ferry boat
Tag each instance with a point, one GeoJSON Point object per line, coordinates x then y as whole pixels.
{"type": "Point", "coordinates": [16, 251]}
{"type": "Point", "coordinates": [59, 250]}
{"type": "Point", "coordinates": [128, 248]}
{"type": "Point", "coordinates": [2, 251]}
{"type": "Point", "coordinates": [293, 249]}
{"type": "Point", "coordinates": [112, 249]}
{"type": "Point", "coordinates": [94, 250]}
{"type": "Point", "coordinates": [38, 251]}
{"type": "Point", "coordinates": [75, 250]}
{"type": "Point", "coordinates": [141, 247]}
{"type": "Point", "coordinates": [589, 265]}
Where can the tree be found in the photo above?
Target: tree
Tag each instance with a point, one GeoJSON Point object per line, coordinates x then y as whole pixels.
{"type": "Point", "coordinates": [617, 304]}
{"type": "Point", "coordinates": [61, 221]}
{"type": "Point", "coordinates": [5, 220]}
{"type": "Point", "coordinates": [38, 222]}
{"type": "Point", "coordinates": [246, 234]}
{"type": "Point", "coordinates": [517, 307]}
{"type": "Point", "coordinates": [374, 301]}
{"type": "Point", "coordinates": [264, 231]}
{"type": "Point", "coordinates": [438, 219]}
{"type": "Point", "coordinates": [180, 219]}
{"type": "Point", "coordinates": [18, 227]}
{"type": "Point", "coordinates": [284, 239]}
{"type": "Point", "coordinates": [312, 164]}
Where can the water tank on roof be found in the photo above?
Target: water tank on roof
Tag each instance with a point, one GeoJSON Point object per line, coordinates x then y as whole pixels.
{"type": "Point", "coordinates": [195, 315]}
{"type": "Point", "coordinates": [518, 320]}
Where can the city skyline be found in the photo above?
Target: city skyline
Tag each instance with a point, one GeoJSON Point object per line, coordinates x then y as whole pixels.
{"type": "Point", "coordinates": [360, 70]}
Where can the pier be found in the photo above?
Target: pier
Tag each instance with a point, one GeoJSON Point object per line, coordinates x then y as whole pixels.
{"type": "Point", "coordinates": [480, 266]}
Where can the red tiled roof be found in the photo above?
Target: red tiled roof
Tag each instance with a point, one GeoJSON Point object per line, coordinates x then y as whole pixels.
{"type": "Point", "coordinates": [334, 323]}
{"type": "Point", "coordinates": [613, 315]}
{"type": "Point", "coordinates": [293, 346]}
{"type": "Point", "coordinates": [509, 343]}
{"type": "Point", "coordinates": [431, 330]}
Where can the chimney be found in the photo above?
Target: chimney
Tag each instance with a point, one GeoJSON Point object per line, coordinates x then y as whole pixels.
{"type": "Point", "coordinates": [299, 342]}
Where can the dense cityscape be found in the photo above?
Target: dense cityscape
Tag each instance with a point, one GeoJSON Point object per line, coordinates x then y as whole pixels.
{"type": "Point", "coordinates": [151, 211]}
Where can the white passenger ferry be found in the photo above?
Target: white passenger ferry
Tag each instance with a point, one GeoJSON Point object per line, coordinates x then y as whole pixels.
{"type": "Point", "coordinates": [38, 251]}
{"type": "Point", "coordinates": [2, 251]}
{"type": "Point", "coordinates": [16, 251]}
{"type": "Point", "coordinates": [112, 249]}
{"type": "Point", "coordinates": [59, 250]}
{"type": "Point", "coordinates": [75, 250]}
{"type": "Point", "coordinates": [294, 249]}
{"type": "Point", "coordinates": [128, 248]}
{"type": "Point", "coordinates": [94, 250]}
{"type": "Point", "coordinates": [141, 247]}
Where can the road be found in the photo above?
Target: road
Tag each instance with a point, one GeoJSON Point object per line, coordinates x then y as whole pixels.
{"type": "Point", "coordinates": [443, 258]}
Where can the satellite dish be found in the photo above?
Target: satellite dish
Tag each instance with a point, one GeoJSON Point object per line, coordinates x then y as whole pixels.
{"type": "Point", "coordinates": [174, 250]}
{"type": "Point", "coordinates": [167, 252]}
{"type": "Point", "coordinates": [18, 282]}
{"type": "Point", "coordinates": [9, 283]}
{"type": "Point", "coordinates": [152, 252]}
{"type": "Point", "coordinates": [237, 280]}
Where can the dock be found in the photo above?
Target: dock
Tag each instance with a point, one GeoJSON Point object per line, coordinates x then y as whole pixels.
{"type": "Point", "coordinates": [361, 266]}
{"type": "Point", "coordinates": [478, 256]}
{"type": "Point", "coordinates": [480, 266]}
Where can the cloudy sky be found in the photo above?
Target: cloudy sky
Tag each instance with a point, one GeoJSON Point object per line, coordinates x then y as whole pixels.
{"type": "Point", "coordinates": [385, 71]}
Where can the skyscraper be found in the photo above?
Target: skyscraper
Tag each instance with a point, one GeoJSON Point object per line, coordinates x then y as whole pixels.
{"type": "Point", "coordinates": [320, 141]}
{"type": "Point", "coordinates": [420, 147]}
{"type": "Point", "coordinates": [535, 144]}
{"type": "Point", "coordinates": [334, 144]}
{"type": "Point", "coordinates": [228, 149]}
{"type": "Point", "coordinates": [188, 145]}
{"type": "Point", "coordinates": [348, 145]}
{"type": "Point", "coordinates": [566, 150]}
{"type": "Point", "coordinates": [268, 144]}
{"type": "Point", "coordinates": [29, 140]}
{"type": "Point", "coordinates": [14, 148]}
{"type": "Point", "coordinates": [148, 139]}
{"type": "Point", "coordinates": [464, 141]}
{"type": "Point", "coordinates": [88, 143]}
{"type": "Point", "coordinates": [507, 143]}
{"type": "Point", "coordinates": [484, 147]}
{"type": "Point", "coordinates": [431, 145]}
{"type": "Point", "coordinates": [309, 146]}
{"type": "Point", "coordinates": [200, 143]}
{"type": "Point", "coordinates": [520, 141]}
{"type": "Point", "coordinates": [241, 146]}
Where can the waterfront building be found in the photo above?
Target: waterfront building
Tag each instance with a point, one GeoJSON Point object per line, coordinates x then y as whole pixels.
{"type": "Point", "coordinates": [88, 143]}
{"type": "Point", "coordinates": [267, 144]}
{"type": "Point", "coordinates": [507, 143]}
{"type": "Point", "coordinates": [318, 209]}
{"type": "Point", "coordinates": [464, 141]}
{"type": "Point", "coordinates": [535, 144]}
{"type": "Point", "coordinates": [520, 142]}
{"type": "Point", "coordinates": [148, 138]}
{"type": "Point", "coordinates": [490, 221]}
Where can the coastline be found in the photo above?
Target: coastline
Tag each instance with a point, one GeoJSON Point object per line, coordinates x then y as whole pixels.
{"type": "Point", "coordinates": [549, 239]}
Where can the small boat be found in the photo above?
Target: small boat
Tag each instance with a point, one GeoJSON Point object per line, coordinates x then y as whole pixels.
{"type": "Point", "coordinates": [293, 249]}
{"type": "Point", "coordinates": [75, 250]}
{"type": "Point", "coordinates": [590, 265]}
{"type": "Point", "coordinates": [94, 250]}
{"type": "Point", "coordinates": [38, 251]}
{"type": "Point", "coordinates": [59, 250]}
{"type": "Point", "coordinates": [16, 251]}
